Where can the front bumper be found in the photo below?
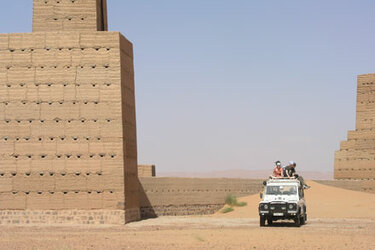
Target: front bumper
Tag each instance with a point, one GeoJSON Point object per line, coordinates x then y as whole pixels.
{"type": "Point", "coordinates": [277, 214]}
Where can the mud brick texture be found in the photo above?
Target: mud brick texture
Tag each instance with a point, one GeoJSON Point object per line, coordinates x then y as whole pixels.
{"type": "Point", "coordinates": [356, 157]}
{"type": "Point", "coordinates": [146, 171]}
{"type": "Point", "coordinates": [68, 15]}
{"type": "Point", "coordinates": [67, 117]}
{"type": "Point", "coordinates": [190, 196]}
{"type": "Point", "coordinates": [50, 217]}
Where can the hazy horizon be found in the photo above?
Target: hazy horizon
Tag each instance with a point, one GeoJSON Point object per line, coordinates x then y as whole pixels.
{"type": "Point", "coordinates": [237, 85]}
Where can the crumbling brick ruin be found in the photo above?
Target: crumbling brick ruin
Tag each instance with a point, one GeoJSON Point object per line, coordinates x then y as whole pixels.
{"type": "Point", "coordinates": [356, 157]}
{"type": "Point", "coordinates": [67, 118]}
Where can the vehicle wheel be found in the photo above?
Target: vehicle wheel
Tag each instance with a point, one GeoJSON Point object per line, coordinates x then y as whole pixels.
{"type": "Point", "coordinates": [269, 221]}
{"type": "Point", "coordinates": [262, 221]}
{"type": "Point", "coordinates": [303, 219]}
{"type": "Point", "coordinates": [297, 220]}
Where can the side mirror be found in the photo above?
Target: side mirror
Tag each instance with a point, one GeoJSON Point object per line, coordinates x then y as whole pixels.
{"type": "Point", "coordinates": [261, 195]}
{"type": "Point", "coordinates": [264, 183]}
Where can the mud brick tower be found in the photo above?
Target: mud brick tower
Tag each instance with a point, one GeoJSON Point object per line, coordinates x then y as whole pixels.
{"type": "Point", "coordinates": [68, 150]}
{"type": "Point", "coordinates": [356, 157]}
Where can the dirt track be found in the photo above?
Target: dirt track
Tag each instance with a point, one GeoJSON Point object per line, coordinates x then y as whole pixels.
{"type": "Point", "coordinates": [196, 233]}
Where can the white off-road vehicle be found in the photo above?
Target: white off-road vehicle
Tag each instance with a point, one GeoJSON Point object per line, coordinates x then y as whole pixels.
{"type": "Point", "coordinates": [282, 199]}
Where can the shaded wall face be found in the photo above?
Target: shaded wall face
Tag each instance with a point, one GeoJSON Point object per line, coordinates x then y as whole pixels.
{"type": "Point", "coordinates": [356, 157]}
{"type": "Point", "coordinates": [129, 139]}
{"type": "Point", "coordinates": [70, 15]}
{"type": "Point", "coordinates": [64, 98]}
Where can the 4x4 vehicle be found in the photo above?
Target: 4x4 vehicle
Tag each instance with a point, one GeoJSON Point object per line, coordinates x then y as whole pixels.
{"type": "Point", "coordinates": [283, 199]}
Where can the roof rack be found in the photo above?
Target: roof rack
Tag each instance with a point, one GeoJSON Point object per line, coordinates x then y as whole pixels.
{"type": "Point", "coordinates": [282, 178]}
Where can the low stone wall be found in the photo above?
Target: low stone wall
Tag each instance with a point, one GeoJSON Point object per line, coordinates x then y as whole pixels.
{"type": "Point", "coordinates": [190, 196]}
{"type": "Point", "coordinates": [92, 217]}
{"type": "Point", "coordinates": [355, 185]}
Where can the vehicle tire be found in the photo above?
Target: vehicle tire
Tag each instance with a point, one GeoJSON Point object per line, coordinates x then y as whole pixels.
{"type": "Point", "coordinates": [297, 220]}
{"type": "Point", "coordinates": [303, 219]}
{"type": "Point", "coordinates": [269, 221]}
{"type": "Point", "coordinates": [262, 221]}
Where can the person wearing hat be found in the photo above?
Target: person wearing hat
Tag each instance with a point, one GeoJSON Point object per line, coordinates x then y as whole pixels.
{"type": "Point", "coordinates": [290, 171]}
{"type": "Point", "coordinates": [278, 170]}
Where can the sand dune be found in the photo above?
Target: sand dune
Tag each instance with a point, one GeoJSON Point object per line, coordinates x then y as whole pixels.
{"type": "Point", "coordinates": [322, 202]}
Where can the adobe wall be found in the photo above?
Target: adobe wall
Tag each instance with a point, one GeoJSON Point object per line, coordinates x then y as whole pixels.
{"type": "Point", "coordinates": [67, 122]}
{"type": "Point", "coordinates": [146, 171]}
{"type": "Point", "coordinates": [190, 196]}
{"type": "Point", "coordinates": [66, 217]}
{"type": "Point", "coordinates": [69, 15]}
{"type": "Point", "coordinates": [67, 115]}
{"type": "Point", "coordinates": [356, 157]}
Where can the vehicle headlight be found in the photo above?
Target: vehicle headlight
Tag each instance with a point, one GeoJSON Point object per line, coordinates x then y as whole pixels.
{"type": "Point", "coordinates": [265, 206]}
{"type": "Point", "coordinates": [291, 206]}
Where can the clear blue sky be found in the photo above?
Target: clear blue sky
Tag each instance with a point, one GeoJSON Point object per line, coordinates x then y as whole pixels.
{"type": "Point", "coordinates": [239, 84]}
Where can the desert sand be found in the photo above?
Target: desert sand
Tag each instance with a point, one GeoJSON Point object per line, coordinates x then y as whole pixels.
{"type": "Point", "coordinates": [338, 219]}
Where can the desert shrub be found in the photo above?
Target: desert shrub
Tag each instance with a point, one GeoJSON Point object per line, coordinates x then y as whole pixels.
{"type": "Point", "coordinates": [226, 210]}
{"type": "Point", "coordinates": [241, 204]}
{"type": "Point", "coordinates": [231, 200]}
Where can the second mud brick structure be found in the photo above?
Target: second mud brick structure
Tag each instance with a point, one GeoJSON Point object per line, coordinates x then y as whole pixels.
{"type": "Point", "coordinates": [67, 117]}
{"type": "Point", "coordinates": [356, 157]}
{"type": "Point", "coordinates": [146, 171]}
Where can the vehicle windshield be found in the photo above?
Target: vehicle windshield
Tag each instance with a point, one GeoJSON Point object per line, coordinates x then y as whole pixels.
{"type": "Point", "coordinates": [281, 190]}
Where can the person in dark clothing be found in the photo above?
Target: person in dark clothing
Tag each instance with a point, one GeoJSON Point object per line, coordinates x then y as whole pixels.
{"type": "Point", "coordinates": [290, 171]}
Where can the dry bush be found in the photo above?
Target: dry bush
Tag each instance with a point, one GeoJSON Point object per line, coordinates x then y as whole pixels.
{"type": "Point", "coordinates": [226, 210]}
{"type": "Point", "coordinates": [231, 200]}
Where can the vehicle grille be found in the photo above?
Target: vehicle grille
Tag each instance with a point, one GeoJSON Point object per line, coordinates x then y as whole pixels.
{"type": "Point", "coordinates": [278, 208]}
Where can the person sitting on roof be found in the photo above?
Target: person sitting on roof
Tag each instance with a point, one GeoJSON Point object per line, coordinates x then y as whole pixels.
{"type": "Point", "coordinates": [290, 171]}
{"type": "Point", "coordinates": [278, 170]}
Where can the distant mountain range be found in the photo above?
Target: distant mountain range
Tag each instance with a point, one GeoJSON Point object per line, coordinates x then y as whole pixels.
{"type": "Point", "coordinates": [244, 174]}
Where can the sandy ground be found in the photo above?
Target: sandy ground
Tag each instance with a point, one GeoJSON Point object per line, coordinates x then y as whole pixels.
{"type": "Point", "coordinates": [353, 227]}
{"type": "Point", "coordinates": [196, 233]}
